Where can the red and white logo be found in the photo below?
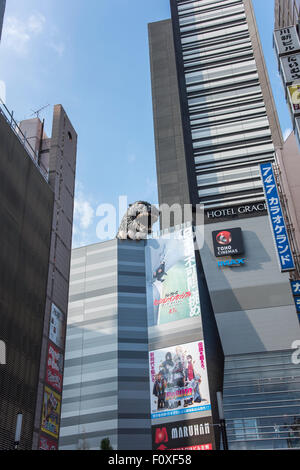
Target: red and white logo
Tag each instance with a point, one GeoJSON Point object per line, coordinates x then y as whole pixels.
{"type": "Point", "coordinates": [224, 238]}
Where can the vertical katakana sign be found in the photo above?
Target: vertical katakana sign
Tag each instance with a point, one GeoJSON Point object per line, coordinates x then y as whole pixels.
{"type": "Point", "coordinates": [280, 234]}
{"type": "Point", "coordinates": [296, 294]}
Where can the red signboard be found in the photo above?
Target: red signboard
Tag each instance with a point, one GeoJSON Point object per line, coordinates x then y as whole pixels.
{"type": "Point", "coordinates": [54, 369]}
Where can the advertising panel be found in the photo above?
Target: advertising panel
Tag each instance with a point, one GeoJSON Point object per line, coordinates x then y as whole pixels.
{"type": "Point", "coordinates": [51, 413]}
{"type": "Point", "coordinates": [194, 434]}
{"type": "Point", "coordinates": [178, 380]}
{"type": "Point", "coordinates": [286, 40]}
{"type": "Point", "coordinates": [280, 234]}
{"type": "Point", "coordinates": [54, 369]}
{"type": "Point", "coordinates": [57, 326]}
{"type": "Point", "coordinates": [47, 444]}
{"type": "Point", "coordinates": [296, 294]}
{"type": "Point", "coordinates": [294, 98]}
{"type": "Point", "coordinates": [228, 242]}
{"type": "Point", "coordinates": [290, 67]}
{"type": "Point", "coordinates": [172, 284]}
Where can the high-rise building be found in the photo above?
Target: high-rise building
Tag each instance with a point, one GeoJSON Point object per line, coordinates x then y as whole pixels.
{"type": "Point", "coordinates": [36, 213]}
{"type": "Point", "coordinates": [216, 132]}
{"type": "Point", "coordinates": [126, 327]}
{"type": "Point", "coordinates": [287, 13]}
{"type": "Point", "coordinates": [2, 9]}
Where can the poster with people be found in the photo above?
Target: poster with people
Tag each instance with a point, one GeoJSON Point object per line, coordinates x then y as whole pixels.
{"type": "Point", "coordinates": [178, 380]}
{"type": "Point", "coordinates": [172, 283]}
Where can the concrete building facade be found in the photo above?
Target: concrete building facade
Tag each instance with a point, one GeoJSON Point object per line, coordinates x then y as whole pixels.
{"type": "Point", "coordinates": [37, 201]}
{"type": "Point", "coordinates": [106, 380]}
{"type": "Point", "coordinates": [287, 13]}
{"type": "Point", "coordinates": [116, 348]}
{"type": "Point", "coordinates": [215, 123]}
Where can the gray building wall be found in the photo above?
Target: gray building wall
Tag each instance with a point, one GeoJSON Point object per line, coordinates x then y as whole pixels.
{"type": "Point", "coordinates": [171, 168]}
{"type": "Point", "coordinates": [253, 303]}
{"type": "Point", "coordinates": [90, 387]}
{"type": "Point", "coordinates": [106, 383]}
{"type": "Point", "coordinates": [61, 150]}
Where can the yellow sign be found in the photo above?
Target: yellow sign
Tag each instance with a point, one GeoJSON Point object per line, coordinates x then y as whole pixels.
{"type": "Point", "coordinates": [294, 94]}
{"type": "Point", "coordinates": [51, 412]}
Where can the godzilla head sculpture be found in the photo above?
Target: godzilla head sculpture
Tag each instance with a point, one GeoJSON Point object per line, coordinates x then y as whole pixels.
{"type": "Point", "coordinates": [138, 220]}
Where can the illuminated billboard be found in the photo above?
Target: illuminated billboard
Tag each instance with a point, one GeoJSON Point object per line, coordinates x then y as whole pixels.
{"type": "Point", "coordinates": [178, 380]}
{"type": "Point", "coordinates": [172, 283]}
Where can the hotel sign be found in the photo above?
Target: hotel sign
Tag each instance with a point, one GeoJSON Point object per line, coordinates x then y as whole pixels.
{"type": "Point", "coordinates": [235, 212]}
{"type": "Point", "coordinates": [286, 40]}
{"type": "Point", "coordinates": [278, 226]}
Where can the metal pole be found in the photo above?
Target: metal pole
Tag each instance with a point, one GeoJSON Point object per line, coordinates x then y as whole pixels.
{"type": "Point", "coordinates": [222, 420]}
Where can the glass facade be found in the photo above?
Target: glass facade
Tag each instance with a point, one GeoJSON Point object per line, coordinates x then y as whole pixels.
{"type": "Point", "coordinates": [262, 401]}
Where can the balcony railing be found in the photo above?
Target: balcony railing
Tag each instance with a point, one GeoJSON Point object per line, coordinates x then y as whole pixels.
{"type": "Point", "coordinates": [34, 155]}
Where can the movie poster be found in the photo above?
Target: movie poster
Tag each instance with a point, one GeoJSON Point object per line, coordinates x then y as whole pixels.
{"type": "Point", "coordinates": [51, 413]}
{"type": "Point", "coordinates": [192, 434]}
{"type": "Point", "coordinates": [178, 380]}
{"type": "Point", "coordinates": [54, 369]}
{"type": "Point", "coordinates": [172, 284]}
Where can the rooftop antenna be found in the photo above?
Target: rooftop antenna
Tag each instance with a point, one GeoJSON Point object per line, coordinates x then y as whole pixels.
{"type": "Point", "coordinates": [38, 111]}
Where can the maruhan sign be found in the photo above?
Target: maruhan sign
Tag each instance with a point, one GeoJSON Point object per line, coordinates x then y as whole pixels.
{"type": "Point", "coordinates": [2, 353]}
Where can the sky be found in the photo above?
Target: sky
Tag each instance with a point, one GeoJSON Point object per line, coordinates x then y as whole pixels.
{"type": "Point", "coordinates": [93, 58]}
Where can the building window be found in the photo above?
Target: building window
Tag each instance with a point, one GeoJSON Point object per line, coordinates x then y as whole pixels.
{"type": "Point", "coordinates": [245, 429]}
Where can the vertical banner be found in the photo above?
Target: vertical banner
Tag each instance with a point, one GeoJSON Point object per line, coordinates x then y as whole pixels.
{"type": "Point", "coordinates": [172, 283]}
{"type": "Point", "coordinates": [286, 40]}
{"type": "Point", "coordinates": [295, 285]}
{"type": "Point", "coordinates": [51, 413]}
{"type": "Point", "coordinates": [57, 326]}
{"type": "Point", "coordinates": [280, 234]}
{"type": "Point", "coordinates": [54, 368]}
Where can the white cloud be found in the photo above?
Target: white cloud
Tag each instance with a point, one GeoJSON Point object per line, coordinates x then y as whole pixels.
{"type": "Point", "coordinates": [36, 23]}
{"type": "Point", "coordinates": [286, 133]}
{"type": "Point", "coordinates": [83, 213]}
{"type": "Point", "coordinates": [17, 33]}
{"type": "Point", "coordinates": [58, 47]}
